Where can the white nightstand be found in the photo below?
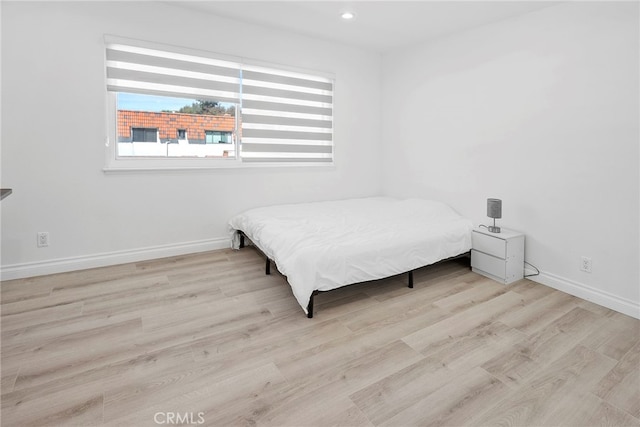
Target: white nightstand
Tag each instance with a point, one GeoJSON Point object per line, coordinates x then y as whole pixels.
{"type": "Point", "coordinates": [499, 256]}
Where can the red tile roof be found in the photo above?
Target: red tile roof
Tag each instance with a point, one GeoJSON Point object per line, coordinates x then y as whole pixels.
{"type": "Point", "coordinates": [169, 123]}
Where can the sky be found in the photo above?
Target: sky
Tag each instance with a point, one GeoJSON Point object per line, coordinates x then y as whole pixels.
{"type": "Point", "coordinates": [136, 102]}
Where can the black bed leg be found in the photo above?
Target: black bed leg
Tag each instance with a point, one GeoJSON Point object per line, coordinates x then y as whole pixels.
{"type": "Point", "coordinates": [310, 306]}
{"type": "Point", "coordinates": [241, 240]}
{"type": "Point", "coordinates": [411, 279]}
{"type": "Point", "coordinates": [267, 269]}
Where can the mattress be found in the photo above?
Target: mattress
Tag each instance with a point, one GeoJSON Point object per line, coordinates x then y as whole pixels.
{"type": "Point", "coordinates": [326, 245]}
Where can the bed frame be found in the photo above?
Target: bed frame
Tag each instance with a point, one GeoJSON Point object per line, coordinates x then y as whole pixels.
{"type": "Point", "coordinates": [267, 271]}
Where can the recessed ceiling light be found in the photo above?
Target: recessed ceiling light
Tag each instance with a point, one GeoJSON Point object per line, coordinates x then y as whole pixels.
{"type": "Point", "coordinates": [347, 16]}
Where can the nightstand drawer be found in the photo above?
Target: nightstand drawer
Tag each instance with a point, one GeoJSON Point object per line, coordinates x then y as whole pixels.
{"type": "Point", "coordinates": [489, 245]}
{"type": "Point", "coordinates": [488, 264]}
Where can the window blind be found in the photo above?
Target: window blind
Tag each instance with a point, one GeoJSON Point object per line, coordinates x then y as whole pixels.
{"type": "Point", "coordinates": [286, 116]}
{"type": "Point", "coordinates": [139, 67]}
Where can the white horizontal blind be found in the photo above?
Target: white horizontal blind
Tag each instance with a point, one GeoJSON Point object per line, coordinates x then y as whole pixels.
{"type": "Point", "coordinates": [286, 116]}
{"type": "Point", "coordinates": [139, 67]}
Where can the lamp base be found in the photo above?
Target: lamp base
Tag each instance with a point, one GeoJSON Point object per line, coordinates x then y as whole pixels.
{"type": "Point", "coordinates": [493, 229]}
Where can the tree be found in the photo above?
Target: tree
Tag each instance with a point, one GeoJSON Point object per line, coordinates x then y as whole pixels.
{"type": "Point", "coordinates": [208, 107]}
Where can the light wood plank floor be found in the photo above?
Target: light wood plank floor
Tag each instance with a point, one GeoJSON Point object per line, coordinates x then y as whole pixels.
{"type": "Point", "coordinates": [208, 339]}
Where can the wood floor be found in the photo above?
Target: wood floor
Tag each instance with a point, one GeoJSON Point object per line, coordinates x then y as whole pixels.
{"type": "Point", "coordinates": [208, 339]}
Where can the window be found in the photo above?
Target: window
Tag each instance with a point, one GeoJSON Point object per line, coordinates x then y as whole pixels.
{"type": "Point", "coordinates": [144, 135]}
{"type": "Point", "coordinates": [217, 137]}
{"type": "Point", "coordinates": [262, 114]}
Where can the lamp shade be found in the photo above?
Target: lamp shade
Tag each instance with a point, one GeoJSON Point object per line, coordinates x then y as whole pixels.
{"type": "Point", "coordinates": [494, 208]}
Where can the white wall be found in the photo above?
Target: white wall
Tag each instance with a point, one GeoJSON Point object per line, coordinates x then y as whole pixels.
{"type": "Point", "coordinates": [541, 111]}
{"type": "Point", "coordinates": [54, 128]}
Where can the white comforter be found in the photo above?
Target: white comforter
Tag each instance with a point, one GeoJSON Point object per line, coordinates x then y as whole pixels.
{"type": "Point", "coordinates": [326, 245]}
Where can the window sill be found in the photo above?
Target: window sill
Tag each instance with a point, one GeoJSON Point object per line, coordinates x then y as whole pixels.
{"type": "Point", "coordinates": [231, 165]}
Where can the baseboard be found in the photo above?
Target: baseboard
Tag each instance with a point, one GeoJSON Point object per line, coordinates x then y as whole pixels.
{"type": "Point", "coordinates": [596, 296]}
{"type": "Point", "coordinates": [63, 265]}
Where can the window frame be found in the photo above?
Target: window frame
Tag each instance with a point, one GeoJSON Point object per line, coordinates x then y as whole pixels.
{"type": "Point", "coordinates": [116, 163]}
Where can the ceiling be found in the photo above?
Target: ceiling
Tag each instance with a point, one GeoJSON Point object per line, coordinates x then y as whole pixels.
{"type": "Point", "coordinates": [378, 25]}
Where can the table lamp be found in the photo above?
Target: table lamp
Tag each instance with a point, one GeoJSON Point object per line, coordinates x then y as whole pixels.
{"type": "Point", "coordinates": [494, 210]}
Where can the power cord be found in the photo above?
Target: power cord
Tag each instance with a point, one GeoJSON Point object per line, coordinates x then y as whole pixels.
{"type": "Point", "coordinates": [534, 274]}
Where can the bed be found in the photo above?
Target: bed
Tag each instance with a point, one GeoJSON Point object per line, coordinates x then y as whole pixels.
{"type": "Point", "coordinates": [323, 246]}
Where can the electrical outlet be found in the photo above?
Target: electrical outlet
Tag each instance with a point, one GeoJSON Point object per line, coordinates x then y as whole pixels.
{"type": "Point", "coordinates": [585, 264]}
{"type": "Point", "coordinates": [43, 239]}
